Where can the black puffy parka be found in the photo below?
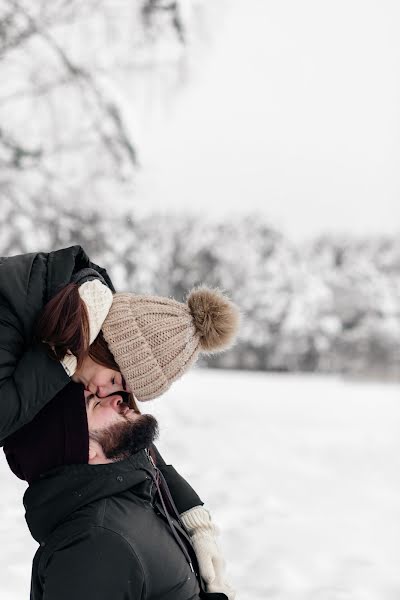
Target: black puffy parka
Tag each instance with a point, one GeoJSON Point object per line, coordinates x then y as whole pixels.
{"type": "Point", "coordinates": [105, 534]}
{"type": "Point", "coordinates": [29, 377]}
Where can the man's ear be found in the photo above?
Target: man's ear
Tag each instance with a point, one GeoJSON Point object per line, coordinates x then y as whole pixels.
{"type": "Point", "coordinates": [93, 452]}
{"type": "Point", "coordinates": [96, 454]}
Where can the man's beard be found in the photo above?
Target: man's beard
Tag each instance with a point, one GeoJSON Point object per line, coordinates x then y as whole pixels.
{"type": "Point", "coordinates": [121, 440]}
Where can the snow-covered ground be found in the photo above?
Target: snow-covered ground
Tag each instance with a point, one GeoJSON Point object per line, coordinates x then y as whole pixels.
{"type": "Point", "coordinates": [302, 474]}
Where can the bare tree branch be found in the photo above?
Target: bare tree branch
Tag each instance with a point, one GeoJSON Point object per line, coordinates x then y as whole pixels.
{"type": "Point", "coordinates": [79, 73]}
{"type": "Point", "coordinates": [17, 153]}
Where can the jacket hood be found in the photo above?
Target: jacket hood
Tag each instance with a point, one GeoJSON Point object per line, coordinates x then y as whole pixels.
{"type": "Point", "coordinates": [63, 263]}
{"type": "Point", "coordinates": [60, 492]}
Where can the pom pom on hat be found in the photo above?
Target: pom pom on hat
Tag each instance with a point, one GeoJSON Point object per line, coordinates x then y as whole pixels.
{"type": "Point", "coordinates": [215, 318]}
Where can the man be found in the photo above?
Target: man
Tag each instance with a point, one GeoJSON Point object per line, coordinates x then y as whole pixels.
{"type": "Point", "coordinates": [99, 507]}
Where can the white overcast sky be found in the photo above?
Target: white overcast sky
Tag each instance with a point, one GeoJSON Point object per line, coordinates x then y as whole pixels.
{"type": "Point", "coordinates": [295, 112]}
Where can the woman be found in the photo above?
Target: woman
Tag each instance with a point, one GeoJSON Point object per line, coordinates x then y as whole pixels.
{"type": "Point", "coordinates": [67, 300]}
{"type": "Point", "coordinates": [29, 375]}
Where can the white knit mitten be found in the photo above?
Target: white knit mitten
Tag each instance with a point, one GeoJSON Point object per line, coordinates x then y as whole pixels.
{"type": "Point", "coordinates": [98, 300]}
{"type": "Point", "coordinates": [203, 534]}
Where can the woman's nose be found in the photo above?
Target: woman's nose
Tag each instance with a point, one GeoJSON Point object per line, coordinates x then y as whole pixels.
{"type": "Point", "coordinates": [102, 391]}
{"type": "Point", "coordinates": [92, 388]}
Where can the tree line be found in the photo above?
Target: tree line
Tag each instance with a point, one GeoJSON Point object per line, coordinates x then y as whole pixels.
{"type": "Point", "coordinates": [330, 305]}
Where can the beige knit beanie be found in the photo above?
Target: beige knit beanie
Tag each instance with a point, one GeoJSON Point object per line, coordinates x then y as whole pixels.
{"type": "Point", "coordinates": [155, 340]}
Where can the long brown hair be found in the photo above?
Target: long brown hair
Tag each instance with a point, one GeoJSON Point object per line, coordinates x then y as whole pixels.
{"type": "Point", "coordinates": [64, 325]}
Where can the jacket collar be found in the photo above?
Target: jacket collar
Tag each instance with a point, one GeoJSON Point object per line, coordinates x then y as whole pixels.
{"type": "Point", "coordinates": [62, 491]}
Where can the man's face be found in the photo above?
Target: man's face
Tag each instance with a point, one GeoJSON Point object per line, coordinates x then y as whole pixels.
{"type": "Point", "coordinates": [104, 412]}
{"type": "Point", "coordinates": [115, 430]}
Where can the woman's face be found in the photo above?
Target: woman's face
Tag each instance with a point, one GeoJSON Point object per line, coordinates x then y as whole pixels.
{"type": "Point", "coordinates": [99, 380]}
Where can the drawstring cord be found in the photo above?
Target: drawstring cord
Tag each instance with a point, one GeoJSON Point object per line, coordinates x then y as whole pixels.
{"type": "Point", "coordinates": [156, 478]}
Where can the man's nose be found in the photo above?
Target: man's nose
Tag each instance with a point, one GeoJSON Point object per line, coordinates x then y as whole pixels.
{"type": "Point", "coordinates": [113, 401]}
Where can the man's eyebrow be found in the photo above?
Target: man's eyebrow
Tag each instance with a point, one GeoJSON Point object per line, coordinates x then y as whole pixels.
{"type": "Point", "coordinates": [87, 400]}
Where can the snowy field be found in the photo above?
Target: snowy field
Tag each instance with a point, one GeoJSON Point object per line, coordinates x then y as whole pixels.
{"type": "Point", "coordinates": [301, 473]}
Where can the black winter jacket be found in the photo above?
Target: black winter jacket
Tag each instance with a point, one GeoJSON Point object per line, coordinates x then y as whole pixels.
{"type": "Point", "coordinates": [104, 535]}
{"type": "Point", "coordinates": [29, 377]}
